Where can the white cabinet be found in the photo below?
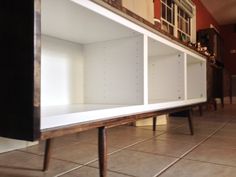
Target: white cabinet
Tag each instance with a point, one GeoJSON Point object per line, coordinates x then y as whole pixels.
{"type": "Point", "coordinates": [97, 65]}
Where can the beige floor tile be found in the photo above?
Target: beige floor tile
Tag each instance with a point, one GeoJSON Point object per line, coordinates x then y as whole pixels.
{"type": "Point", "coordinates": [90, 172]}
{"type": "Point", "coordinates": [59, 142]}
{"type": "Point", "coordinates": [230, 126]}
{"type": "Point", "coordinates": [137, 163]}
{"type": "Point", "coordinates": [182, 137]}
{"type": "Point", "coordinates": [163, 147]}
{"type": "Point", "coordinates": [187, 168]}
{"type": "Point", "coordinates": [227, 133]}
{"type": "Point", "coordinates": [132, 131]}
{"type": "Point", "coordinates": [21, 164]}
{"type": "Point", "coordinates": [220, 142]}
{"type": "Point", "coordinates": [222, 156]}
{"type": "Point", "coordinates": [197, 131]}
{"type": "Point", "coordinates": [79, 153]}
{"type": "Point", "coordinates": [207, 124]}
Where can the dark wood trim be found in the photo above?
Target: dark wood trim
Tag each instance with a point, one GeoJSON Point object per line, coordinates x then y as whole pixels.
{"type": "Point", "coordinates": [37, 67]}
{"type": "Point", "coordinates": [102, 151]}
{"type": "Point", "coordinates": [47, 154]}
{"type": "Point", "coordinates": [231, 89]}
{"type": "Point", "coordinates": [190, 122]}
{"type": "Point", "coordinates": [200, 110]}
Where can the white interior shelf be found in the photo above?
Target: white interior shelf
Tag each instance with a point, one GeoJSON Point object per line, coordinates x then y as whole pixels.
{"type": "Point", "coordinates": [96, 64]}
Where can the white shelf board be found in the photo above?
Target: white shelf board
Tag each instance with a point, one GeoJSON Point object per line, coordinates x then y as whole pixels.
{"type": "Point", "coordinates": [71, 116]}
{"type": "Point", "coordinates": [48, 111]}
{"type": "Point", "coordinates": [162, 100]}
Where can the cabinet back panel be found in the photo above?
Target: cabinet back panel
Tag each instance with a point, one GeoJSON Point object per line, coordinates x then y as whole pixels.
{"type": "Point", "coordinates": [196, 78]}
{"type": "Point", "coordinates": [114, 71]}
{"type": "Point", "coordinates": [166, 78]}
{"type": "Point", "coordinates": [62, 72]}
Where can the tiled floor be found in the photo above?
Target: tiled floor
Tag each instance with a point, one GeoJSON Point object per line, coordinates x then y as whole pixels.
{"type": "Point", "coordinates": [169, 152]}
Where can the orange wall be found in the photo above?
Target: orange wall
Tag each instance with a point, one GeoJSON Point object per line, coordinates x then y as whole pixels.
{"type": "Point", "coordinates": [203, 17]}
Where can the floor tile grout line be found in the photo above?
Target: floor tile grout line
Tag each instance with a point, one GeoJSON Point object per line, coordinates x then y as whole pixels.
{"type": "Point", "coordinates": [111, 153]}
{"type": "Point", "coordinates": [113, 171]}
{"type": "Point", "coordinates": [233, 166]}
{"type": "Point", "coordinates": [141, 141]}
{"type": "Point", "coordinates": [68, 171]}
{"type": "Point", "coordinates": [75, 168]}
{"type": "Point", "coordinates": [158, 154]}
{"type": "Point", "coordinates": [190, 150]}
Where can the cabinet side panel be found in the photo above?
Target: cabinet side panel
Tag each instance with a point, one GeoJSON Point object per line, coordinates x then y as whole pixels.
{"type": "Point", "coordinates": [17, 69]}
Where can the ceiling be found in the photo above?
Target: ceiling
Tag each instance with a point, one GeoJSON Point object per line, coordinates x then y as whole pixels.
{"type": "Point", "coordinates": [224, 11]}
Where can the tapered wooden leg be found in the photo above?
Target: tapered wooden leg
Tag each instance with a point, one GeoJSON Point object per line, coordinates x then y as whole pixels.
{"type": "Point", "coordinates": [200, 110]}
{"type": "Point", "coordinates": [222, 102]}
{"type": "Point", "coordinates": [215, 105]}
{"type": "Point", "coordinates": [102, 151]}
{"type": "Point", "coordinates": [47, 154]}
{"type": "Point", "coordinates": [190, 122]}
{"type": "Point", "coordinates": [154, 123]}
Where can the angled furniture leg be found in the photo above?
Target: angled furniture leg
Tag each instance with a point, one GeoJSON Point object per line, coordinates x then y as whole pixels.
{"type": "Point", "coordinates": [102, 151]}
{"type": "Point", "coordinates": [190, 122]}
{"type": "Point", "coordinates": [47, 154]}
{"type": "Point", "coordinates": [154, 123]}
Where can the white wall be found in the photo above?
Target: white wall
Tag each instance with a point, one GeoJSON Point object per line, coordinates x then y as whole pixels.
{"type": "Point", "coordinates": [166, 78]}
{"type": "Point", "coordinates": [61, 72]}
{"type": "Point", "coordinates": [114, 71]}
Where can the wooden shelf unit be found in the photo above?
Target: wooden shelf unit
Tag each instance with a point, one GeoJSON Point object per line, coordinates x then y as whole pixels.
{"type": "Point", "coordinates": [88, 66]}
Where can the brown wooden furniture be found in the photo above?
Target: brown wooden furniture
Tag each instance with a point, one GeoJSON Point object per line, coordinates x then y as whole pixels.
{"type": "Point", "coordinates": [232, 87]}
{"type": "Point", "coordinates": [211, 39]}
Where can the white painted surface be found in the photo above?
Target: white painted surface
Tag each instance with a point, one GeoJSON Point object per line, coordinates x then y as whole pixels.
{"type": "Point", "coordinates": [113, 63]}
{"type": "Point", "coordinates": [166, 78]}
{"type": "Point", "coordinates": [114, 71]}
{"type": "Point", "coordinates": [66, 119]}
{"type": "Point", "coordinates": [66, 20]}
{"type": "Point", "coordinates": [196, 78]}
{"type": "Point", "coordinates": [62, 72]}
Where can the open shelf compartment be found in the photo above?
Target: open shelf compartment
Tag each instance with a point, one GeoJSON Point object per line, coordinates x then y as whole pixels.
{"type": "Point", "coordinates": [196, 77]}
{"type": "Point", "coordinates": [165, 73]}
{"type": "Point", "coordinates": [88, 62]}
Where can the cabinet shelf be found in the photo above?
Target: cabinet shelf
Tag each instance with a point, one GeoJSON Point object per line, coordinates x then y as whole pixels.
{"type": "Point", "coordinates": [89, 63]}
